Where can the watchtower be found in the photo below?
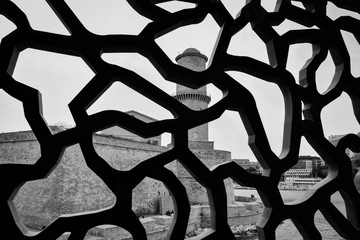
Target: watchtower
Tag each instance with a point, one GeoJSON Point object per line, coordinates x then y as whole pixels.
{"type": "Point", "coordinates": [195, 99]}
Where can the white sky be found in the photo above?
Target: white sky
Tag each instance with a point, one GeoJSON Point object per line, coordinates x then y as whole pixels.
{"type": "Point", "coordinates": [59, 77]}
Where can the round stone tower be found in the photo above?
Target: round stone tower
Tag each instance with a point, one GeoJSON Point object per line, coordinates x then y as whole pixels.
{"type": "Point", "coordinates": [198, 137]}
{"type": "Point", "coordinates": [195, 99]}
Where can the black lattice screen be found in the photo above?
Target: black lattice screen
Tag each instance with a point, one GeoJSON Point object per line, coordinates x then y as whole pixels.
{"type": "Point", "coordinates": [322, 33]}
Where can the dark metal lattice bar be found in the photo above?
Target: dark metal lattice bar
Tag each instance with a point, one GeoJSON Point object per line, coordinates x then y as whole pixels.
{"type": "Point", "coordinates": [326, 37]}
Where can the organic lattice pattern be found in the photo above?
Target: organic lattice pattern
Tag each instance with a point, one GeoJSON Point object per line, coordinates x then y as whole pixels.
{"type": "Point", "coordinates": [322, 33]}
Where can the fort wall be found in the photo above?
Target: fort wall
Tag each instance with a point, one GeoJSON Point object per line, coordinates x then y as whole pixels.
{"type": "Point", "coordinates": [73, 188]}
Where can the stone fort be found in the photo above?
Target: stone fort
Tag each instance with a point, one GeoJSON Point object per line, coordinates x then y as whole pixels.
{"type": "Point", "coordinates": [73, 188]}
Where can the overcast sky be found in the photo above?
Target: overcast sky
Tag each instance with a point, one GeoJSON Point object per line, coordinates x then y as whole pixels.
{"type": "Point", "coordinates": [59, 77]}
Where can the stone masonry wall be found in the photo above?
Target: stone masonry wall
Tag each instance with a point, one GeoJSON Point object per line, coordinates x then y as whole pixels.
{"type": "Point", "coordinates": [124, 155]}
{"type": "Point", "coordinates": [22, 148]}
{"type": "Point", "coordinates": [196, 192]}
{"type": "Point", "coordinates": [73, 188]}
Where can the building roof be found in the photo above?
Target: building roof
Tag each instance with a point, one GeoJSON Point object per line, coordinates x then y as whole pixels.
{"type": "Point", "coordinates": [141, 116]}
{"type": "Point", "coordinates": [191, 52]}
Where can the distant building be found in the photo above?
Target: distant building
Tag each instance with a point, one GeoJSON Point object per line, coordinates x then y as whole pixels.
{"type": "Point", "coordinates": [301, 174]}
{"type": "Point", "coordinates": [306, 162]}
{"type": "Point", "coordinates": [246, 164]}
{"type": "Point", "coordinates": [298, 173]}
{"type": "Point", "coordinates": [302, 182]}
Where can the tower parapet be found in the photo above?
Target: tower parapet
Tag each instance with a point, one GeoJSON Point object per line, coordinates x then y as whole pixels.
{"type": "Point", "coordinates": [185, 95]}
